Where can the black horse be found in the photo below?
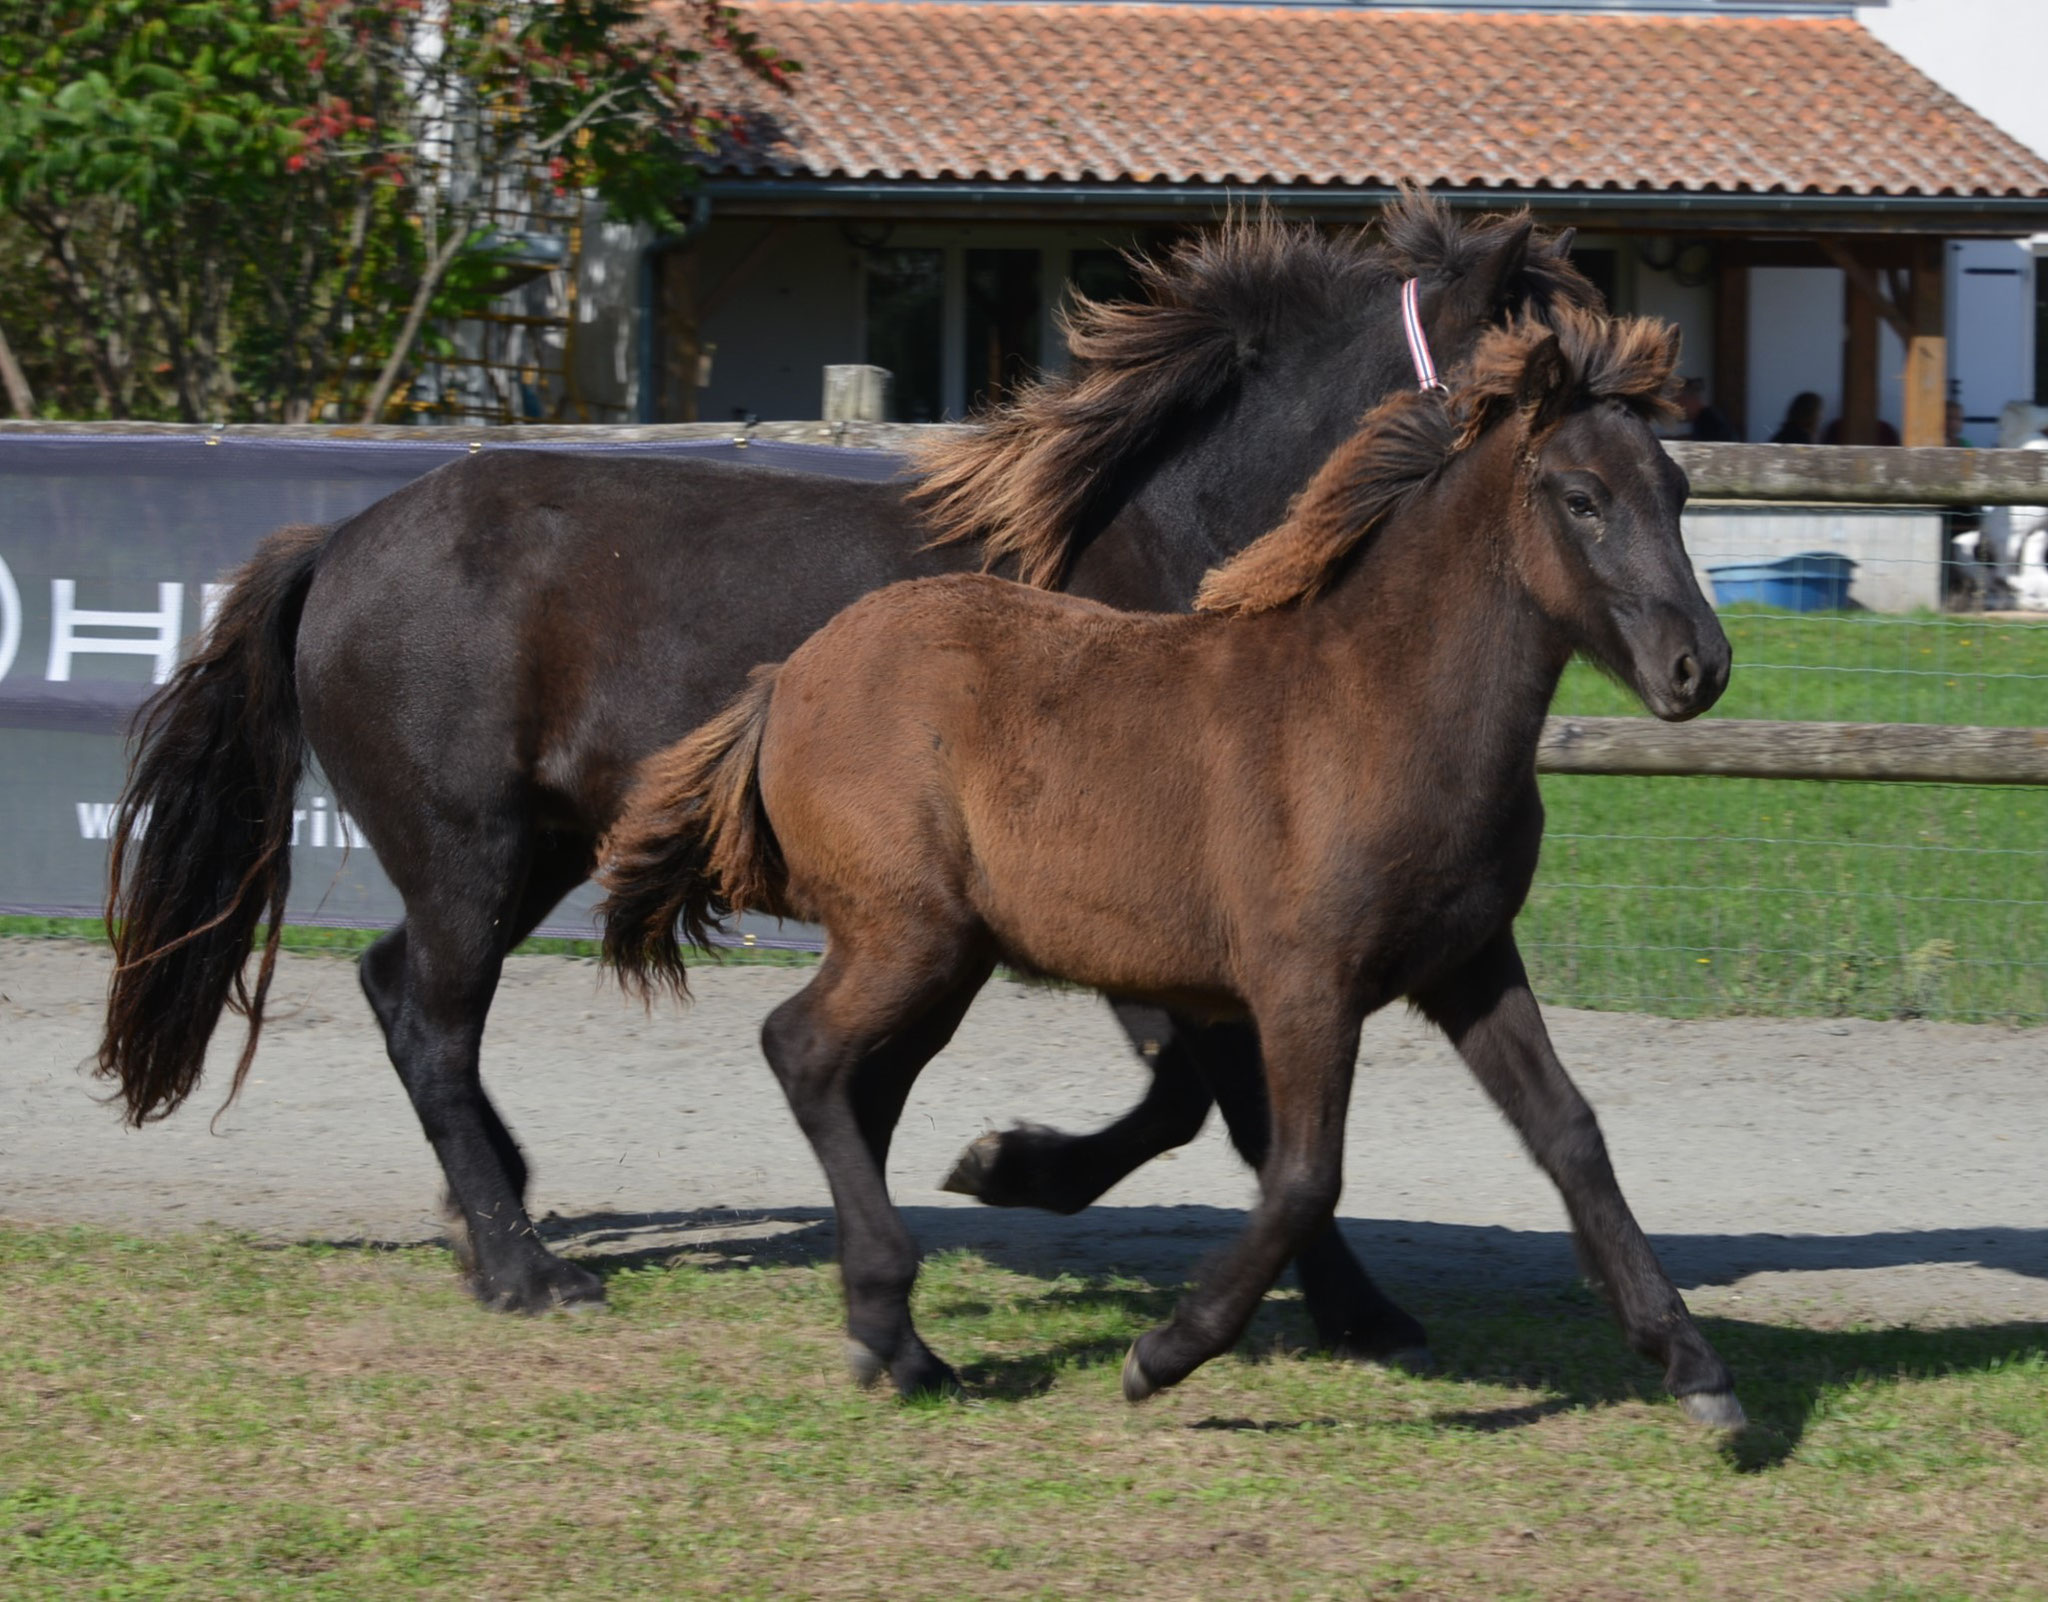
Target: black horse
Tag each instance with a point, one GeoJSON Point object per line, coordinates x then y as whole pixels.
{"type": "Point", "coordinates": [480, 661]}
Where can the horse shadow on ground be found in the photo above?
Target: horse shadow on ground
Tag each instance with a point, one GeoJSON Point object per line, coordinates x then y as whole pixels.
{"type": "Point", "coordinates": [1505, 1308]}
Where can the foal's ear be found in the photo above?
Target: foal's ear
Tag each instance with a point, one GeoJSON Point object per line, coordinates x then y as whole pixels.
{"type": "Point", "coordinates": [1544, 382]}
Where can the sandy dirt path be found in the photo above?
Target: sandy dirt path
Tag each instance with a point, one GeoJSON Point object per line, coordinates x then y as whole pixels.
{"type": "Point", "coordinates": [1826, 1170]}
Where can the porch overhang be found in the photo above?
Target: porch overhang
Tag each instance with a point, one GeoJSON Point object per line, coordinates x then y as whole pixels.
{"type": "Point", "coordinates": [1623, 210]}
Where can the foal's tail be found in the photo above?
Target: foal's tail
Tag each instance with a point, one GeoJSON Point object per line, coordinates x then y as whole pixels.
{"type": "Point", "coordinates": [202, 837]}
{"type": "Point", "coordinates": [692, 845]}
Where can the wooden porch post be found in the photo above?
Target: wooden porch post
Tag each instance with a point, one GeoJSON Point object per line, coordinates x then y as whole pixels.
{"type": "Point", "coordinates": [1859, 366]}
{"type": "Point", "coordinates": [1730, 392]}
{"type": "Point", "coordinates": [1926, 350]}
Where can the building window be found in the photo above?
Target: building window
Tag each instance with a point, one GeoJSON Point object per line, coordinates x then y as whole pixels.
{"type": "Point", "coordinates": [1002, 324]}
{"type": "Point", "coordinates": [906, 313]}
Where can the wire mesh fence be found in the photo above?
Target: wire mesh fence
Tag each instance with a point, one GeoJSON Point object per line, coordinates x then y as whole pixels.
{"type": "Point", "coordinates": [1704, 896]}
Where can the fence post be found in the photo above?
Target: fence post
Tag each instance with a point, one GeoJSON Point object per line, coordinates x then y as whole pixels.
{"type": "Point", "coordinates": [856, 394]}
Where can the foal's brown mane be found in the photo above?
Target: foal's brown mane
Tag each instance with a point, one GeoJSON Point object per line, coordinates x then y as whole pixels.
{"type": "Point", "coordinates": [1025, 479]}
{"type": "Point", "coordinates": [1549, 370]}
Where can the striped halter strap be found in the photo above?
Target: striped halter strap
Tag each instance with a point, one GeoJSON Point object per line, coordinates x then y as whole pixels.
{"type": "Point", "coordinates": [1418, 341]}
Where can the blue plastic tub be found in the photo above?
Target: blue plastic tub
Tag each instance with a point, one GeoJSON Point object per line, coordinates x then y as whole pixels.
{"type": "Point", "coordinates": [1812, 581]}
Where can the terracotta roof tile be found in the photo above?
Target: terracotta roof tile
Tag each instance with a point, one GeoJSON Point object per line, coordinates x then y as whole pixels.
{"type": "Point", "coordinates": [1249, 95]}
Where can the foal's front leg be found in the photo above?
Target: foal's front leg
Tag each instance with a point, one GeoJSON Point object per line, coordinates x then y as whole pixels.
{"type": "Point", "coordinates": [1491, 1016]}
{"type": "Point", "coordinates": [1310, 1051]}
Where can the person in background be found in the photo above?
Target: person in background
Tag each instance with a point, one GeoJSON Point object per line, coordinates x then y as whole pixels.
{"type": "Point", "coordinates": [1802, 421]}
{"type": "Point", "coordinates": [1705, 421]}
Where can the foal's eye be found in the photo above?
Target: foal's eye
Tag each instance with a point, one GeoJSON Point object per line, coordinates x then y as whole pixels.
{"type": "Point", "coordinates": [1580, 504]}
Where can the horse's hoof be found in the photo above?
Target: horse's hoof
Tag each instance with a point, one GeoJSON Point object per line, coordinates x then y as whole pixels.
{"type": "Point", "coordinates": [1138, 1385]}
{"type": "Point", "coordinates": [864, 1365]}
{"type": "Point", "coordinates": [970, 1175]}
{"type": "Point", "coordinates": [1415, 1358]}
{"type": "Point", "coordinates": [931, 1376]}
{"type": "Point", "coordinates": [1715, 1410]}
{"type": "Point", "coordinates": [561, 1288]}
{"type": "Point", "coordinates": [576, 1305]}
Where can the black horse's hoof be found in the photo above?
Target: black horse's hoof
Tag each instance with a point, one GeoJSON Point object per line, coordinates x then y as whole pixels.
{"type": "Point", "coordinates": [1403, 1359]}
{"type": "Point", "coordinates": [924, 1374]}
{"type": "Point", "coordinates": [921, 1373]}
{"type": "Point", "coordinates": [558, 1287]}
{"type": "Point", "coordinates": [973, 1173]}
{"type": "Point", "coordinates": [1138, 1385]}
{"type": "Point", "coordinates": [1714, 1410]}
{"type": "Point", "coordinates": [863, 1364]}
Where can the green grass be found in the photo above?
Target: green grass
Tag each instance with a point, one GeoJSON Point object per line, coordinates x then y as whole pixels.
{"type": "Point", "coordinates": [203, 1418]}
{"type": "Point", "coordinates": [1863, 667]}
{"type": "Point", "coordinates": [1696, 897]}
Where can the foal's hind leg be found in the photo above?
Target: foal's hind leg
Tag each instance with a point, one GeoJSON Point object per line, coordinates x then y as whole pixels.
{"type": "Point", "coordinates": [846, 1049]}
{"type": "Point", "coordinates": [1492, 1018]}
{"type": "Point", "coordinates": [430, 982]}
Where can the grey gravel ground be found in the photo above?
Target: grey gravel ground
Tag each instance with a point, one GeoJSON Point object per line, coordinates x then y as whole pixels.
{"type": "Point", "coordinates": [1829, 1171]}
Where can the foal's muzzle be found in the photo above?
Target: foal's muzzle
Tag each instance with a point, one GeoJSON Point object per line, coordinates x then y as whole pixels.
{"type": "Point", "coordinates": [1681, 661]}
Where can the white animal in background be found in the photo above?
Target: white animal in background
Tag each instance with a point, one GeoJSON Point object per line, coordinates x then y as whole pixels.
{"type": "Point", "coordinates": [2030, 580]}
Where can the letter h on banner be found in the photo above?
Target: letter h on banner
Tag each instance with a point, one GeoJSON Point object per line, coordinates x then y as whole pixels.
{"type": "Point", "coordinates": [165, 625]}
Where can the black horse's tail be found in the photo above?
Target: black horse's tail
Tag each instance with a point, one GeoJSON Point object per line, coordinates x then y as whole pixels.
{"type": "Point", "coordinates": [202, 837]}
{"type": "Point", "coordinates": [692, 844]}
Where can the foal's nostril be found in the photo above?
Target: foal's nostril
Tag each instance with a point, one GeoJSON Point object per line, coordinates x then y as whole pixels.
{"type": "Point", "coordinates": [1685, 677]}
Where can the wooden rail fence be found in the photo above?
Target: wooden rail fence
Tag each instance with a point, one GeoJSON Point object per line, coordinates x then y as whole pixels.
{"type": "Point", "coordinates": [1927, 753]}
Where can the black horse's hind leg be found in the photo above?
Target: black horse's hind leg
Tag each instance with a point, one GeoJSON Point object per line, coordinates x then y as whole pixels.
{"type": "Point", "coordinates": [1491, 1016]}
{"type": "Point", "coordinates": [1311, 1049]}
{"type": "Point", "coordinates": [430, 981]}
{"type": "Point", "coordinates": [1033, 1166]}
{"type": "Point", "coordinates": [1353, 1317]}
{"type": "Point", "coordinates": [1193, 1065]}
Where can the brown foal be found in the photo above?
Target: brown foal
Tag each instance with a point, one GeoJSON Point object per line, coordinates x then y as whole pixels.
{"type": "Point", "coordinates": [1312, 797]}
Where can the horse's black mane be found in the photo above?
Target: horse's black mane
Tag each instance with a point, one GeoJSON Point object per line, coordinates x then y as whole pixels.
{"type": "Point", "coordinates": [1024, 480]}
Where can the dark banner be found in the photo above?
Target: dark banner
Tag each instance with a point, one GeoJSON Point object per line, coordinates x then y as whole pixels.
{"type": "Point", "coordinates": [112, 553]}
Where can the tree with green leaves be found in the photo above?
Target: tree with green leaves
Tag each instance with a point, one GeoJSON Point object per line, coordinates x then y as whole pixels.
{"type": "Point", "coordinates": [253, 208]}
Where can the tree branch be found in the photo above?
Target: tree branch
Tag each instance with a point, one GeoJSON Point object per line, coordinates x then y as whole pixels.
{"type": "Point", "coordinates": [423, 297]}
{"type": "Point", "coordinates": [19, 396]}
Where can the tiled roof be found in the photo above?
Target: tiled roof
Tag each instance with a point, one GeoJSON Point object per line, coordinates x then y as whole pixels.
{"type": "Point", "coordinates": [1220, 94]}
